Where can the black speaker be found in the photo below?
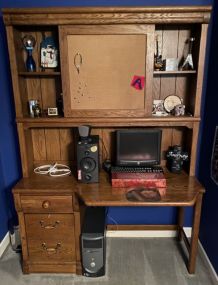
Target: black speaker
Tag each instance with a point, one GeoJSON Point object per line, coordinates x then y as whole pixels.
{"type": "Point", "coordinates": [88, 160]}
{"type": "Point", "coordinates": [93, 242]}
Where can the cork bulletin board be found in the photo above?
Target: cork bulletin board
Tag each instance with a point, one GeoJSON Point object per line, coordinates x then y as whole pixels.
{"type": "Point", "coordinates": [101, 69]}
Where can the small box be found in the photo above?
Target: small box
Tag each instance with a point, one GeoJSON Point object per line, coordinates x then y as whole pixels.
{"type": "Point", "coordinates": [171, 64]}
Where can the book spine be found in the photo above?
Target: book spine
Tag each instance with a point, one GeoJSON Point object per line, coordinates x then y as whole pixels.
{"type": "Point", "coordinates": [146, 183]}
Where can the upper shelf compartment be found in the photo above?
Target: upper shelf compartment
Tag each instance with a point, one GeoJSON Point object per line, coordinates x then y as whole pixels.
{"type": "Point", "coordinates": [29, 40]}
{"type": "Point", "coordinates": [43, 82]}
{"type": "Point", "coordinates": [174, 44]}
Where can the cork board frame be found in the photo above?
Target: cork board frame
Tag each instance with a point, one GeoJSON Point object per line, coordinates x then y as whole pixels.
{"type": "Point", "coordinates": [98, 65]}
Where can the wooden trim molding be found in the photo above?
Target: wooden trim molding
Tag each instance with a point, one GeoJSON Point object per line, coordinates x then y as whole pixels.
{"type": "Point", "coordinates": [107, 15]}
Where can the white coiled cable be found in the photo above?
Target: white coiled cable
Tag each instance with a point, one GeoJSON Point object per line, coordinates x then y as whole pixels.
{"type": "Point", "coordinates": [54, 170]}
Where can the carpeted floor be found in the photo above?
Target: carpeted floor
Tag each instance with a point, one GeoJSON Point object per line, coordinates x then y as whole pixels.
{"type": "Point", "coordinates": [130, 261]}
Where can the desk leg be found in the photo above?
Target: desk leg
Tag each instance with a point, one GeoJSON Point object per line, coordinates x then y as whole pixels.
{"type": "Point", "coordinates": [194, 237]}
{"type": "Point", "coordinates": [181, 211]}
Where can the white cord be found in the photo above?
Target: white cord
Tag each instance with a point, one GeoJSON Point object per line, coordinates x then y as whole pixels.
{"type": "Point", "coordinates": [54, 170]}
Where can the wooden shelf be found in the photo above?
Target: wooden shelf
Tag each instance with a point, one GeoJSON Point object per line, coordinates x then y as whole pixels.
{"type": "Point", "coordinates": [39, 74]}
{"type": "Point", "coordinates": [186, 121]}
{"type": "Point", "coordinates": [179, 72]}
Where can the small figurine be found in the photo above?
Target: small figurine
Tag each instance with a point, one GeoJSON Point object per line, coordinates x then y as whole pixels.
{"type": "Point", "coordinates": [49, 53]}
{"type": "Point", "coordinates": [179, 110]}
{"type": "Point", "coordinates": [37, 110]}
{"type": "Point", "coordinates": [29, 43]}
{"type": "Point", "coordinates": [158, 62]}
{"type": "Point", "coordinates": [188, 62]}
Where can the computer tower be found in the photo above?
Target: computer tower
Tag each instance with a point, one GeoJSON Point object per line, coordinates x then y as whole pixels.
{"type": "Point", "coordinates": [93, 242]}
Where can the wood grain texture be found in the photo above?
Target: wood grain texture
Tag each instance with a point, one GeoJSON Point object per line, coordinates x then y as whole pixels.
{"type": "Point", "coordinates": [53, 150]}
{"type": "Point", "coordinates": [149, 63]}
{"type": "Point", "coordinates": [26, 150]}
{"type": "Point", "coordinates": [194, 142]}
{"type": "Point", "coordinates": [141, 227]}
{"type": "Point", "coordinates": [14, 71]}
{"type": "Point", "coordinates": [107, 122]}
{"type": "Point", "coordinates": [49, 226]}
{"type": "Point", "coordinates": [67, 144]}
{"type": "Point", "coordinates": [47, 204]}
{"type": "Point", "coordinates": [65, 267]}
{"type": "Point", "coordinates": [194, 237]}
{"type": "Point", "coordinates": [52, 245]}
{"type": "Point", "coordinates": [108, 15]}
{"type": "Point", "coordinates": [78, 229]}
{"type": "Point", "coordinates": [39, 144]}
{"type": "Point", "coordinates": [181, 190]}
{"type": "Point", "coordinates": [200, 75]}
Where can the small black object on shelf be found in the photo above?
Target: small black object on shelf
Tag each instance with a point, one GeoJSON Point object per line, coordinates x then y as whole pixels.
{"type": "Point", "coordinates": [175, 158]}
{"type": "Point", "coordinates": [107, 165]}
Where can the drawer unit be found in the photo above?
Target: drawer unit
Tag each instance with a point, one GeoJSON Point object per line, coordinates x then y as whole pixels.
{"type": "Point", "coordinates": [47, 204]}
{"type": "Point", "coordinates": [50, 238]}
{"type": "Point", "coordinates": [47, 227]}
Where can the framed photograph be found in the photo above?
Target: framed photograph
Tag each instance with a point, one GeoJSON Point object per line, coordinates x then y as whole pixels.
{"type": "Point", "coordinates": [52, 111]}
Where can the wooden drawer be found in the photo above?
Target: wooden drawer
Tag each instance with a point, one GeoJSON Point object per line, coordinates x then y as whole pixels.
{"type": "Point", "coordinates": [47, 204]}
{"type": "Point", "coordinates": [43, 251]}
{"type": "Point", "coordinates": [49, 226]}
{"type": "Point", "coordinates": [50, 237]}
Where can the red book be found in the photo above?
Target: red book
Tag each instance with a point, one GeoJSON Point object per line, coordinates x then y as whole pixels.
{"type": "Point", "coordinates": [149, 180]}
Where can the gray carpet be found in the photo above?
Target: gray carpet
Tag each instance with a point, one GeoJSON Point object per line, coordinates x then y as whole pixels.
{"type": "Point", "coordinates": [132, 261]}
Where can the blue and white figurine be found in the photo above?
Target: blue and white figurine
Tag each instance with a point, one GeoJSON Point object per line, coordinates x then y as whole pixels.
{"type": "Point", "coordinates": [29, 43]}
{"type": "Point", "coordinates": [49, 53]}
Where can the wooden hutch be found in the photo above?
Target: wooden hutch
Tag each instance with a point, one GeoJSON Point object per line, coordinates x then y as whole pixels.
{"type": "Point", "coordinates": [114, 44]}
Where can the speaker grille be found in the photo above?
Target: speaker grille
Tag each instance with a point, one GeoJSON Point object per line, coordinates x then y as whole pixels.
{"type": "Point", "coordinates": [87, 164]}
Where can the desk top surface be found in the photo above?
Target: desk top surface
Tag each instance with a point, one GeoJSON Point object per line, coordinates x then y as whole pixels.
{"type": "Point", "coordinates": [182, 190]}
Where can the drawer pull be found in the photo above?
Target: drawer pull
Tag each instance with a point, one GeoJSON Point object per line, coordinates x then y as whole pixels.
{"type": "Point", "coordinates": [51, 250]}
{"type": "Point", "coordinates": [49, 226]}
{"type": "Point", "coordinates": [46, 204]}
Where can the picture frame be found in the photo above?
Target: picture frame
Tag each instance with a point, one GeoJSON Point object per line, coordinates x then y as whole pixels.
{"type": "Point", "coordinates": [53, 111]}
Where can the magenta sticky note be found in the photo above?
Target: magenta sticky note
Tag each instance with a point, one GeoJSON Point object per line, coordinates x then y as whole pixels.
{"type": "Point", "coordinates": [138, 82]}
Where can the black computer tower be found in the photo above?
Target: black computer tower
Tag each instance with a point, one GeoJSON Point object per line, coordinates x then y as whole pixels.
{"type": "Point", "coordinates": [93, 242]}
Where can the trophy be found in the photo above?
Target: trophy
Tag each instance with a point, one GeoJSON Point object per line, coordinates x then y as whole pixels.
{"type": "Point", "coordinates": [188, 62]}
{"type": "Point", "coordinates": [29, 43]}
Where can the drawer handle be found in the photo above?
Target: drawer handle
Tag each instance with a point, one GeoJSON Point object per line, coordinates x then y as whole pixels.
{"type": "Point", "coordinates": [51, 250]}
{"type": "Point", "coordinates": [46, 204]}
{"type": "Point", "coordinates": [49, 226]}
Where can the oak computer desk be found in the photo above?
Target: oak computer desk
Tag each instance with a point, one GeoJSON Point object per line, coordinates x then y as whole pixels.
{"type": "Point", "coordinates": [62, 198]}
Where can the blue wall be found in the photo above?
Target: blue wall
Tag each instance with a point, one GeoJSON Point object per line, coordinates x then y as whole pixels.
{"type": "Point", "coordinates": [209, 221]}
{"type": "Point", "coordinates": [9, 153]}
{"type": "Point", "coordinates": [9, 158]}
